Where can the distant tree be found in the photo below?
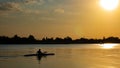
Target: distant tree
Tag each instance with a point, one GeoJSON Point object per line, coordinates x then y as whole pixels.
{"type": "Point", "coordinates": [43, 39]}
{"type": "Point", "coordinates": [16, 37]}
{"type": "Point", "coordinates": [112, 39]}
{"type": "Point", "coordinates": [4, 39]}
{"type": "Point", "coordinates": [58, 40]}
{"type": "Point", "coordinates": [68, 39]}
{"type": "Point", "coordinates": [31, 37]}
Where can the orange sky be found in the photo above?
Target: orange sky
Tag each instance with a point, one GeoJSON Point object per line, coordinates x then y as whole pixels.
{"type": "Point", "coordinates": [58, 18]}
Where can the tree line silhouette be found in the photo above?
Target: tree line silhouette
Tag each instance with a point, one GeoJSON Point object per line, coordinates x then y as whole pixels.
{"type": "Point", "coordinates": [67, 40]}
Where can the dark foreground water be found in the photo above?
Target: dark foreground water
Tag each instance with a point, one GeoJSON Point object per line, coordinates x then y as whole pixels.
{"type": "Point", "coordinates": [66, 56]}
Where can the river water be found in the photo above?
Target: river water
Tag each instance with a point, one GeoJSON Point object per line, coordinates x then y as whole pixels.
{"type": "Point", "coordinates": [66, 56]}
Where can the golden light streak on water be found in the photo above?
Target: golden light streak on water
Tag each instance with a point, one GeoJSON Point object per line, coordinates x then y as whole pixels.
{"type": "Point", "coordinates": [108, 46]}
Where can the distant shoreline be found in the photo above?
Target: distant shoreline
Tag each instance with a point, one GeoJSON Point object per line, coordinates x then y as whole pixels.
{"type": "Point", "coordinates": [53, 43]}
{"type": "Point", "coordinates": [67, 40]}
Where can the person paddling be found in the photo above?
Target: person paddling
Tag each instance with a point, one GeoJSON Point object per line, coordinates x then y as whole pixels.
{"type": "Point", "coordinates": [39, 51]}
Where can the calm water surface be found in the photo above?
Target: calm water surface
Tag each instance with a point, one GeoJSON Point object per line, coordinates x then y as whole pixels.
{"type": "Point", "coordinates": [66, 56]}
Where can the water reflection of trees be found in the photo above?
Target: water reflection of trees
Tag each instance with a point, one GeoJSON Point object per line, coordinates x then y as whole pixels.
{"type": "Point", "coordinates": [67, 40]}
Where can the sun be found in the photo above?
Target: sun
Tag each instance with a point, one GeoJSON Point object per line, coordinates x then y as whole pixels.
{"type": "Point", "coordinates": [109, 4]}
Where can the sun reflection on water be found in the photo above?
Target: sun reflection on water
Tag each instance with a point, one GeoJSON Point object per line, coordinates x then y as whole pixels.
{"type": "Point", "coordinates": [108, 46]}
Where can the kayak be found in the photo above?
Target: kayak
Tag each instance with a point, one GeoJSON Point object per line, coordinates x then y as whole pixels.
{"type": "Point", "coordinates": [43, 54]}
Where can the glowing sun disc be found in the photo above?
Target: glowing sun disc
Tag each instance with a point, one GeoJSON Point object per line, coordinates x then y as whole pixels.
{"type": "Point", "coordinates": [109, 4]}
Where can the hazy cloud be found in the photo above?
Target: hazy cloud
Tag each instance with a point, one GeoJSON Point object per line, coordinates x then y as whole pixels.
{"type": "Point", "coordinates": [8, 6]}
{"type": "Point", "coordinates": [37, 2]}
{"type": "Point", "coordinates": [47, 18]}
{"type": "Point", "coordinates": [50, 0]}
{"type": "Point", "coordinates": [32, 11]}
{"type": "Point", "coordinates": [27, 7]}
{"type": "Point", "coordinates": [59, 10]}
{"type": "Point", "coordinates": [14, 7]}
